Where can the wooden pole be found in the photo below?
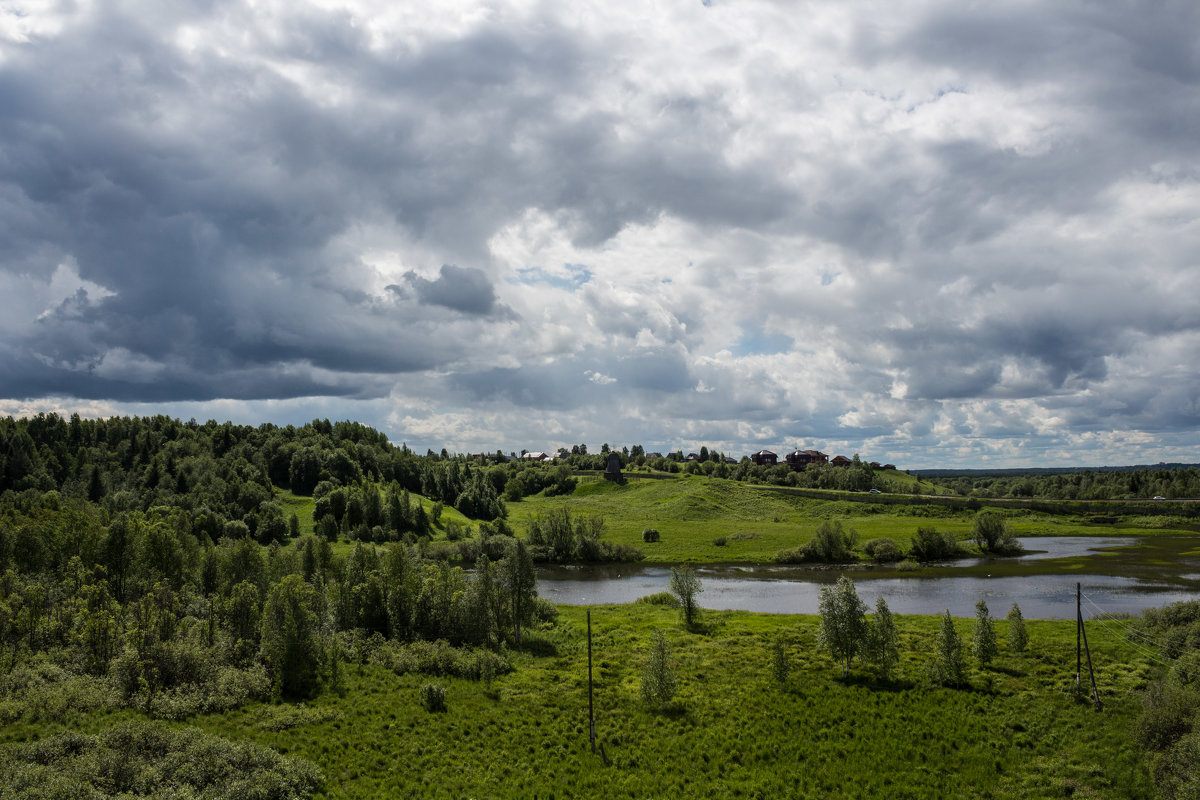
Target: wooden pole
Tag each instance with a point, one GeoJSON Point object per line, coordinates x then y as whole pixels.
{"type": "Point", "coordinates": [1088, 650]}
{"type": "Point", "coordinates": [591, 708]}
{"type": "Point", "coordinates": [1079, 627]}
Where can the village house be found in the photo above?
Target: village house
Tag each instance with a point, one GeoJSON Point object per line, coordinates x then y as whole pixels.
{"type": "Point", "coordinates": [841, 461]}
{"type": "Point", "coordinates": [765, 458]}
{"type": "Point", "coordinates": [799, 459]}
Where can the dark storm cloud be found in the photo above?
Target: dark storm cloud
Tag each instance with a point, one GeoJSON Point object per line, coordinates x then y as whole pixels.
{"type": "Point", "coordinates": [466, 290]}
{"type": "Point", "coordinates": [183, 182]}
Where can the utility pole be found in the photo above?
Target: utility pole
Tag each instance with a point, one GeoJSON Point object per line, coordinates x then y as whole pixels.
{"type": "Point", "coordinates": [1079, 626]}
{"type": "Point", "coordinates": [591, 709]}
{"type": "Point", "coordinates": [1088, 650]}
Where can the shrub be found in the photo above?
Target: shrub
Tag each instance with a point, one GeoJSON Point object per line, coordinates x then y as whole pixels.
{"type": "Point", "coordinates": [992, 534]}
{"type": "Point", "coordinates": [433, 697]}
{"type": "Point", "coordinates": [779, 662]}
{"type": "Point", "coordinates": [148, 759]}
{"type": "Point", "coordinates": [884, 551]}
{"type": "Point", "coordinates": [1018, 638]}
{"type": "Point", "coordinates": [658, 677]}
{"type": "Point", "coordinates": [660, 599]}
{"type": "Point", "coordinates": [930, 544]}
{"type": "Point", "coordinates": [439, 658]}
{"type": "Point", "coordinates": [719, 541]}
{"type": "Point", "coordinates": [685, 585]}
{"type": "Point", "coordinates": [650, 535]}
{"type": "Point", "coordinates": [830, 544]}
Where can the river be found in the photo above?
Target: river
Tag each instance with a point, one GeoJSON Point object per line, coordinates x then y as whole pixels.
{"type": "Point", "coordinates": [1126, 575]}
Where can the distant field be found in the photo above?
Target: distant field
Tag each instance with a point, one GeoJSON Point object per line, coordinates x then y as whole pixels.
{"type": "Point", "coordinates": [756, 522]}
{"type": "Point", "coordinates": [1016, 732]}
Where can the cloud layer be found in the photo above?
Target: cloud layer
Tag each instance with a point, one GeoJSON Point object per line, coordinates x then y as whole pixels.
{"type": "Point", "coordinates": [935, 234]}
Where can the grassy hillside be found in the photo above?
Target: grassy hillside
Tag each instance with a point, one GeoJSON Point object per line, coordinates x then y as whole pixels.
{"type": "Point", "coordinates": [755, 522]}
{"type": "Point", "coordinates": [1016, 732]}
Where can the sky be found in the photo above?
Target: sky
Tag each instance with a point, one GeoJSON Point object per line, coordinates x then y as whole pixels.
{"type": "Point", "coordinates": [938, 234]}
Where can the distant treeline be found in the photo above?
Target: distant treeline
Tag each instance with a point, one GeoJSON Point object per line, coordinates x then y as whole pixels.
{"type": "Point", "coordinates": [1113, 484]}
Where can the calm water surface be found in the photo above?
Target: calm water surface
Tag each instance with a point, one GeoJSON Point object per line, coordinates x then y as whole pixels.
{"type": "Point", "coordinates": [792, 590]}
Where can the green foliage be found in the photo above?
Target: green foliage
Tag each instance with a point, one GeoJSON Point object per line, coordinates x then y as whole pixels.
{"type": "Point", "coordinates": [1018, 637]}
{"type": "Point", "coordinates": [930, 544]}
{"type": "Point", "coordinates": [1168, 728]}
{"type": "Point", "coordinates": [560, 537]}
{"type": "Point", "coordinates": [440, 659]}
{"type": "Point", "coordinates": [685, 585]}
{"type": "Point", "coordinates": [885, 551]}
{"type": "Point", "coordinates": [993, 534]}
{"type": "Point", "coordinates": [144, 759]}
{"type": "Point", "coordinates": [983, 635]}
{"type": "Point", "coordinates": [650, 535]}
{"type": "Point", "coordinates": [882, 649]}
{"type": "Point", "coordinates": [843, 630]}
{"type": "Point", "coordinates": [659, 683]}
{"type": "Point", "coordinates": [660, 599]}
{"type": "Point", "coordinates": [291, 647]}
{"type": "Point", "coordinates": [433, 697]}
{"type": "Point", "coordinates": [780, 665]}
{"type": "Point", "coordinates": [948, 667]}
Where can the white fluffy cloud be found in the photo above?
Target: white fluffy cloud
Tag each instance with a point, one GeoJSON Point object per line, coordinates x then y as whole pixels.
{"type": "Point", "coordinates": [934, 234]}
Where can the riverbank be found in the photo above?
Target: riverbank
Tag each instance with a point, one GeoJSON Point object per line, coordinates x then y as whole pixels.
{"type": "Point", "coordinates": [712, 521]}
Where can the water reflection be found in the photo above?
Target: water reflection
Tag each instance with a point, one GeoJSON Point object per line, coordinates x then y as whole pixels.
{"type": "Point", "coordinates": [792, 590]}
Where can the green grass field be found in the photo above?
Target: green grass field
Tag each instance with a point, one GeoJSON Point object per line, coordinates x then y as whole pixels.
{"type": "Point", "coordinates": [1016, 732]}
{"type": "Point", "coordinates": [691, 512]}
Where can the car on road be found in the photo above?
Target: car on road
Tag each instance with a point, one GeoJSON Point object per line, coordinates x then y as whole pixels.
{"type": "Point", "coordinates": [876, 491]}
{"type": "Point", "coordinates": [1159, 497]}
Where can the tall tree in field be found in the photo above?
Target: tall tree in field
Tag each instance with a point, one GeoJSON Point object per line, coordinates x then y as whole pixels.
{"type": "Point", "coordinates": [843, 630]}
{"type": "Point", "coordinates": [1018, 639]}
{"type": "Point", "coordinates": [291, 644]}
{"type": "Point", "coordinates": [949, 667]}
{"type": "Point", "coordinates": [519, 580]}
{"type": "Point", "coordinates": [883, 642]}
{"type": "Point", "coordinates": [685, 585]}
{"type": "Point", "coordinates": [400, 575]}
{"type": "Point", "coordinates": [983, 635]}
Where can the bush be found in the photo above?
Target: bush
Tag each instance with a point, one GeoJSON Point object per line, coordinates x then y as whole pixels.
{"type": "Point", "coordinates": [660, 599]}
{"type": "Point", "coordinates": [831, 544]}
{"type": "Point", "coordinates": [148, 759]}
{"type": "Point", "coordinates": [992, 534]}
{"type": "Point", "coordinates": [433, 697]}
{"type": "Point", "coordinates": [440, 659]}
{"type": "Point", "coordinates": [931, 544]}
{"type": "Point", "coordinates": [719, 541]}
{"type": "Point", "coordinates": [650, 535]}
{"type": "Point", "coordinates": [685, 585]}
{"type": "Point", "coordinates": [658, 677]}
{"type": "Point", "coordinates": [884, 551]}
{"type": "Point", "coordinates": [1018, 638]}
{"type": "Point", "coordinates": [779, 662]}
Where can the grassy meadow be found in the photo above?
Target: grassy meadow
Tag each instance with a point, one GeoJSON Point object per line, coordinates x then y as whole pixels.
{"type": "Point", "coordinates": [1017, 731]}
{"type": "Point", "coordinates": [693, 513]}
